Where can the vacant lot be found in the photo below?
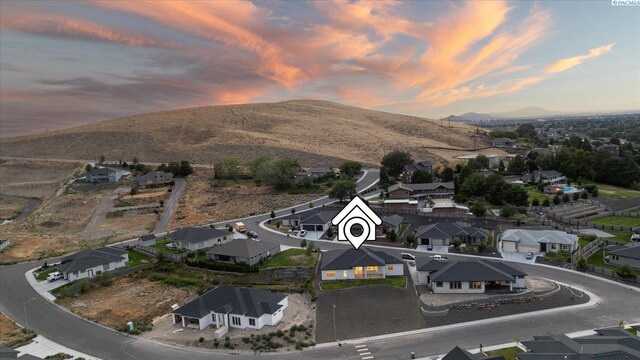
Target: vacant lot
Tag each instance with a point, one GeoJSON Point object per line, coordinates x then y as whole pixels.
{"type": "Point", "coordinates": [202, 202]}
{"type": "Point", "coordinates": [34, 178]}
{"type": "Point", "coordinates": [10, 333]}
{"type": "Point", "coordinates": [614, 192]}
{"type": "Point", "coordinates": [618, 220]}
{"type": "Point", "coordinates": [127, 299]}
{"type": "Point", "coordinates": [11, 206]}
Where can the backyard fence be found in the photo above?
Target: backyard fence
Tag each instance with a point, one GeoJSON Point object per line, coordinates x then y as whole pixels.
{"type": "Point", "coordinates": [612, 274]}
{"type": "Point", "coordinates": [154, 252]}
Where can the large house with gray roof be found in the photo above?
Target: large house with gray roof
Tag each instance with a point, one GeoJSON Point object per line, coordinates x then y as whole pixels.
{"type": "Point", "coordinates": [469, 276]}
{"type": "Point", "coordinates": [92, 262]}
{"type": "Point", "coordinates": [421, 191]}
{"type": "Point", "coordinates": [390, 222]}
{"type": "Point", "coordinates": [152, 179]}
{"type": "Point", "coordinates": [537, 241]}
{"type": "Point", "coordinates": [407, 172]}
{"type": "Point", "coordinates": [99, 175]}
{"type": "Point", "coordinates": [318, 219]}
{"type": "Point", "coordinates": [364, 263]}
{"type": "Point", "coordinates": [444, 234]}
{"type": "Point", "coordinates": [243, 251]}
{"type": "Point", "coordinates": [196, 238]}
{"type": "Point", "coordinates": [228, 306]}
{"type": "Point", "coordinates": [628, 254]}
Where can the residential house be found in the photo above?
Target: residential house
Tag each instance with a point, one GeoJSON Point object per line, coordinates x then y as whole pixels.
{"type": "Point", "coordinates": [407, 172]}
{"type": "Point", "coordinates": [542, 151]}
{"type": "Point", "coordinates": [91, 262]}
{"type": "Point", "coordinates": [243, 251]}
{"type": "Point", "coordinates": [196, 238]}
{"type": "Point", "coordinates": [537, 241]}
{"type": "Point", "coordinates": [444, 206]}
{"type": "Point", "coordinates": [104, 175]}
{"type": "Point", "coordinates": [611, 343]}
{"type": "Point", "coordinates": [363, 263]}
{"type": "Point", "coordinates": [228, 306]}
{"type": "Point", "coordinates": [311, 174]}
{"type": "Point", "coordinates": [458, 353]}
{"type": "Point", "coordinates": [390, 222]}
{"type": "Point", "coordinates": [625, 255]}
{"type": "Point", "coordinates": [152, 179]}
{"type": "Point", "coordinates": [494, 160]}
{"type": "Point", "coordinates": [420, 191]}
{"type": "Point", "coordinates": [468, 276]}
{"type": "Point", "coordinates": [504, 142]}
{"type": "Point", "coordinates": [612, 149]}
{"type": "Point", "coordinates": [550, 177]}
{"type": "Point", "coordinates": [444, 234]}
{"type": "Point", "coordinates": [318, 219]}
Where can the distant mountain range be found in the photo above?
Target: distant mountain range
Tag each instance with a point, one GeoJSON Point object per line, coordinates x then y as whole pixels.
{"type": "Point", "coordinates": [525, 113]}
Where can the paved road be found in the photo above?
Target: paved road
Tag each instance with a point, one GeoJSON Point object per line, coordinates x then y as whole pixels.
{"type": "Point", "coordinates": [170, 206]}
{"type": "Point", "coordinates": [617, 303]}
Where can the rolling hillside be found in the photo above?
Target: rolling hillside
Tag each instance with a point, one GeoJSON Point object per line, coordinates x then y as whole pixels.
{"type": "Point", "coordinates": [314, 132]}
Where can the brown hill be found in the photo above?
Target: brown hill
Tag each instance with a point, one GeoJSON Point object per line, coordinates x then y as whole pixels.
{"type": "Point", "coordinates": [314, 132]}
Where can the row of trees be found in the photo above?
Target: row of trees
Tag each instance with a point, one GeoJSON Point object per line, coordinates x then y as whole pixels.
{"type": "Point", "coordinates": [182, 168]}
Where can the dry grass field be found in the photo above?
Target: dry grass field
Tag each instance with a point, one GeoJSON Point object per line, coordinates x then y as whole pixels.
{"type": "Point", "coordinates": [127, 299]}
{"type": "Point", "coordinates": [11, 206]}
{"type": "Point", "coordinates": [10, 333]}
{"type": "Point", "coordinates": [203, 203]}
{"type": "Point", "coordinates": [313, 132]}
{"type": "Point", "coordinates": [38, 179]}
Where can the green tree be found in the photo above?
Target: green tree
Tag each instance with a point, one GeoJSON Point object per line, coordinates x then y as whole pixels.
{"type": "Point", "coordinates": [422, 176]}
{"type": "Point", "coordinates": [576, 196]}
{"type": "Point", "coordinates": [447, 174]}
{"type": "Point", "coordinates": [474, 185]}
{"type": "Point", "coordinates": [392, 235]}
{"type": "Point", "coordinates": [396, 161]}
{"type": "Point", "coordinates": [501, 167]}
{"type": "Point", "coordinates": [102, 159]}
{"type": "Point", "coordinates": [310, 204]}
{"type": "Point", "coordinates": [88, 167]}
{"type": "Point", "coordinates": [185, 168]}
{"type": "Point", "coordinates": [556, 199]}
{"type": "Point", "coordinates": [516, 195]}
{"type": "Point", "coordinates": [273, 214]}
{"type": "Point", "coordinates": [527, 131]}
{"type": "Point", "coordinates": [483, 161]}
{"type": "Point", "coordinates": [133, 191]}
{"type": "Point", "coordinates": [411, 239]}
{"type": "Point", "coordinates": [135, 161]}
{"type": "Point", "coordinates": [546, 202]}
{"type": "Point", "coordinates": [343, 190]}
{"type": "Point", "coordinates": [330, 232]}
{"type": "Point", "coordinates": [594, 193]}
{"type": "Point", "coordinates": [227, 167]}
{"type": "Point", "coordinates": [584, 195]}
{"type": "Point", "coordinates": [535, 202]}
{"type": "Point", "coordinates": [517, 166]}
{"type": "Point", "coordinates": [384, 177]}
{"type": "Point", "coordinates": [508, 212]}
{"type": "Point", "coordinates": [254, 164]}
{"type": "Point", "coordinates": [478, 208]}
{"type": "Point", "coordinates": [566, 198]}
{"type": "Point", "coordinates": [303, 243]}
{"type": "Point", "coordinates": [581, 264]}
{"type": "Point", "coordinates": [624, 271]}
{"type": "Point", "coordinates": [350, 168]}
{"type": "Point", "coordinates": [456, 243]}
{"type": "Point", "coordinates": [284, 171]}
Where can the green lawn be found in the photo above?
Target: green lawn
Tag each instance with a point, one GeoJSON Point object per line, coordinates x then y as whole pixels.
{"type": "Point", "coordinates": [136, 258]}
{"type": "Point", "coordinates": [160, 246]}
{"type": "Point", "coordinates": [397, 281]}
{"type": "Point", "coordinates": [289, 258]}
{"type": "Point", "coordinates": [403, 228]}
{"type": "Point", "coordinates": [43, 275]}
{"type": "Point", "coordinates": [508, 353]}
{"type": "Point", "coordinates": [618, 220]}
{"type": "Point", "coordinates": [614, 192]}
{"type": "Point", "coordinates": [598, 260]}
{"type": "Point", "coordinates": [534, 193]}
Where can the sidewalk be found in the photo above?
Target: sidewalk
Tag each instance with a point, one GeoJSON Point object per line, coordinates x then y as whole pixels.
{"type": "Point", "coordinates": [42, 347]}
{"type": "Point", "coordinates": [40, 288]}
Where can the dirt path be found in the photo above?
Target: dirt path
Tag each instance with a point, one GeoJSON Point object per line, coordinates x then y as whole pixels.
{"type": "Point", "coordinates": [170, 206]}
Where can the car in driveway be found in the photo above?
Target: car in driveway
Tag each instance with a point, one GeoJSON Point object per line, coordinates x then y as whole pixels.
{"type": "Point", "coordinates": [529, 256]}
{"type": "Point", "coordinates": [252, 234]}
{"type": "Point", "coordinates": [302, 233]}
{"type": "Point", "coordinates": [54, 276]}
{"type": "Point", "coordinates": [407, 256]}
{"type": "Point", "coordinates": [429, 247]}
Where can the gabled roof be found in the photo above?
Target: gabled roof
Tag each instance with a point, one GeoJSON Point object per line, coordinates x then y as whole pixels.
{"type": "Point", "coordinates": [418, 166]}
{"type": "Point", "coordinates": [424, 263]}
{"type": "Point", "coordinates": [304, 216]}
{"type": "Point", "coordinates": [457, 353]}
{"type": "Point", "coordinates": [631, 252]}
{"type": "Point", "coordinates": [615, 344]}
{"type": "Point", "coordinates": [100, 171]}
{"type": "Point", "coordinates": [228, 299]}
{"type": "Point", "coordinates": [535, 237]}
{"type": "Point", "coordinates": [357, 202]}
{"type": "Point", "coordinates": [8, 353]}
{"type": "Point", "coordinates": [422, 186]}
{"type": "Point", "coordinates": [343, 259]}
{"type": "Point", "coordinates": [320, 217]}
{"type": "Point", "coordinates": [470, 271]}
{"type": "Point", "coordinates": [147, 237]}
{"type": "Point", "coordinates": [394, 220]}
{"type": "Point", "coordinates": [448, 230]}
{"type": "Point", "coordinates": [197, 234]}
{"type": "Point", "coordinates": [89, 258]}
{"type": "Point", "coordinates": [246, 248]}
{"type": "Point", "coordinates": [151, 175]}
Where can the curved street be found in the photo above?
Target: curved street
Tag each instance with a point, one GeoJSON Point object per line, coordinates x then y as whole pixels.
{"type": "Point", "coordinates": [617, 302]}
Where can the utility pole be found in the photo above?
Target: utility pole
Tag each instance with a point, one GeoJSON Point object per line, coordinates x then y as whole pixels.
{"type": "Point", "coordinates": [26, 322]}
{"type": "Point", "coordinates": [335, 334]}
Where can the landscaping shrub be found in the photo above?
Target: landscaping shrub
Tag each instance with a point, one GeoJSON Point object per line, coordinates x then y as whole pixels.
{"type": "Point", "coordinates": [201, 339]}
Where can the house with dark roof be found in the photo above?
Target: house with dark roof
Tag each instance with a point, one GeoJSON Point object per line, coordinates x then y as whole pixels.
{"type": "Point", "coordinates": [504, 142]}
{"type": "Point", "coordinates": [537, 241]}
{"type": "Point", "coordinates": [612, 343]}
{"type": "Point", "coordinates": [407, 172]}
{"type": "Point", "coordinates": [243, 251]}
{"type": "Point", "coordinates": [231, 307]}
{"type": "Point", "coordinates": [152, 179]}
{"type": "Point", "coordinates": [100, 175]}
{"type": "Point", "coordinates": [311, 174]}
{"type": "Point", "coordinates": [625, 255]}
{"type": "Point", "coordinates": [390, 222]}
{"type": "Point", "coordinates": [318, 219]}
{"type": "Point", "coordinates": [92, 262]}
{"type": "Point", "coordinates": [458, 353]}
{"type": "Point", "coordinates": [196, 238]}
{"type": "Point", "coordinates": [468, 276]}
{"type": "Point", "coordinates": [363, 263]}
{"type": "Point", "coordinates": [549, 177]}
{"type": "Point", "coordinates": [420, 191]}
{"type": "Point", "coordinates": [444, 234]}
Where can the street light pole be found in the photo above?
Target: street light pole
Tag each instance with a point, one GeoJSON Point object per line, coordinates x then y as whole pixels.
{"type": "Point", "coordinates": [26, 322]}
{"type": "Point", "coordinates": [335, 334]}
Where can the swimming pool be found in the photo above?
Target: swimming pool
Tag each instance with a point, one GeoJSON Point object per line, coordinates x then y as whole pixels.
{"type": "Point", "coordinates": [570, 190]}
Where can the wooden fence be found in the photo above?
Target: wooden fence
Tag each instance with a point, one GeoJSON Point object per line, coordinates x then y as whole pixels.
{"type": "Point", "coordinates": [612, 274]}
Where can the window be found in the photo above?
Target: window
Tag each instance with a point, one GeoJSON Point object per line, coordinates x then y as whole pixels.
{"type": "Point", "coordinates": [438, 283]}
{"type": "Point", "coordinates": [105, 267]}
{"type": "Point", "coordinates": [475, 285]}
{"type": "Point", "coordinates": [236, 320]}
{"type": "Point", "coordinates": [331, 274]}
{"type": "Point", "coordinates": [565, 247]}
{"type": "Point", "coordinates": [252, 322]}
{"type": "Point", "coordinates": [372, 268]}
{"type": "Point", "coordinates": [455, 285]}
{"type": "Point", "coordinates": [553, 246]}
{"type": "Point", "coordinates": [389, 267]}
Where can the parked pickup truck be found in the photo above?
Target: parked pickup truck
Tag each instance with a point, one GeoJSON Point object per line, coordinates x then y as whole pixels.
{"type": "Point", "coordinates": [54, 276]}
{"type": "Point", "coordinates": [439, 257]}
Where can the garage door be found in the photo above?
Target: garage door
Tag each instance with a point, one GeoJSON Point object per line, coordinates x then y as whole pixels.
{"type": "Point", "coordinates": [438, 242]}
{"type": "Point", "coordinates": [509, 246]}
{"type": "Point", "coordinates": [309, 227]}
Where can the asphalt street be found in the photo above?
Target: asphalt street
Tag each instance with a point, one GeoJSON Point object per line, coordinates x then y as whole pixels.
{"type": "Point", "coordinates": [617, 302]}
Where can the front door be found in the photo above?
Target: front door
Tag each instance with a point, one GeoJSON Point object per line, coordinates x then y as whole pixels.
{"type": "Point", "coordinates": [90, 273]}
{"type": "Point", "coordinates": [358, 272]}
{"type": "Point", "coordinates": [543, 247]}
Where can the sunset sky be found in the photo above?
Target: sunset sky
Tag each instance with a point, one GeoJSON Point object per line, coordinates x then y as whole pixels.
{"type": "Point", "coordinates": [68, 63]}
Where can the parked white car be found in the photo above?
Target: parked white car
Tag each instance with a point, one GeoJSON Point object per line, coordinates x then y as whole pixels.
{"type": "Point", "coordinates": [302, 233]}
{"type": "Point", "coordinates": [54, 276]}
{"type": "Point", "coordinates": [407, 256]}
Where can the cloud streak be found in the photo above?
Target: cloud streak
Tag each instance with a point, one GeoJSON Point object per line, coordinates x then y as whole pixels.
{"type": "Point", "coordinates": [571, 62]}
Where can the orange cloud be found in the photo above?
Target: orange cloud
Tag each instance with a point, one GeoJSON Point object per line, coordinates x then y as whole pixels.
{"type": "Point", "coordinates": [568, 63]}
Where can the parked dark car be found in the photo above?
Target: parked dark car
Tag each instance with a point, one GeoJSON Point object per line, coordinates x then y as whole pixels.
{"type": "Point", "coordinates": [252, 234]}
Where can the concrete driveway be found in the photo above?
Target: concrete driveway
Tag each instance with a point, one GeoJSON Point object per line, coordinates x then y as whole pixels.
{"type": "Point", "coordinates": [436, 249]}
{"type": "Point", "coordinates": [518, 257]}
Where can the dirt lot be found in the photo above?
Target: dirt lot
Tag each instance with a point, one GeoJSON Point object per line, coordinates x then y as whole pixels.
{"type": "Point", "coordinates": [11, 206]}
{"type": "Point", "coordinates": [127, 299]}
{"type": "Point", "coordinates": [10, 333]}
{"type": "Point", "coordinates": [201, 202]}
{"type": "Point", "coordinates": [298, 313]}
{"type": "Point", "coordinates": [34, 178]}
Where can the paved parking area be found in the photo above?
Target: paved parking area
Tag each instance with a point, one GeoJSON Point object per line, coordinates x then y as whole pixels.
{"type": "Point", "coordinates": [518, 257]}
{"type": "Point", "coordinates": [436, 249]}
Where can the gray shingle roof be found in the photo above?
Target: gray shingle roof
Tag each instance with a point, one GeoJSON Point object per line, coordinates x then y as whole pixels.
{"type": "Point", "coordinates": [304, 216]}
{"type": "Point", "coordinates": [228, 299]}
{"type": "Point", "coordinates": [422, 187]}
{"type": "Point", "coordinates": [615, 344]}
{"type": "Point", "coordinates": [457, 353]}
{"type": "Point", "coordinates": [151, 175]}
{"type": "Point", "coordinates": [468, 270]}
{"type": "Point", "coordinates": [418, 166]}
{"type": "Point", "coordinates": [631, 252]}
{"type": "Point", "coordinates": [348, 258]}
{"type": "Point", "coordinates": [448, 230]}
{"type": "Point", "coordinates": [197, 234]}
{"type": "Point", "coordinates": [246, 248]}
{"type": "Point", "coordinates": [535, 237]}
{"type": "Point", "coordinates": [394, 220]}
{"type": "Point", "coordinates": [100, 171]}
{"type": "Point", "coordinates": [89, 258]}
